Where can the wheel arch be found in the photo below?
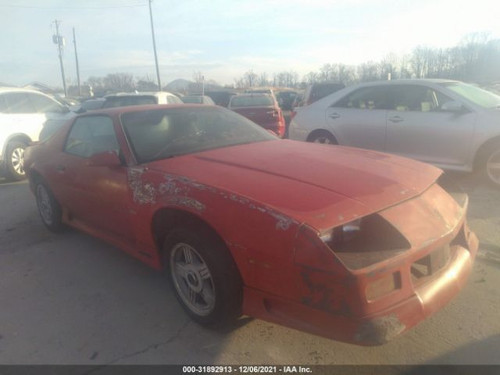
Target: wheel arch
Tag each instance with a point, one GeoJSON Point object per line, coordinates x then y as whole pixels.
{"type": "Point", "coordinates": [482, 151]}
{"type": "Point", "coordinates": [18, 137]}
{"type": "Point", "coordinates": [167, 218]}
{"type": "Point", "coordinates": [319, 131]}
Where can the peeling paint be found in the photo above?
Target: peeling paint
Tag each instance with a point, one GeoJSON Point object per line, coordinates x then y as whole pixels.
{"type": "Point", "coordinates": [187, 202]}
{"type": "Point", "coordinates": [143, 193]}
{"type": "Point", "coordinates": [283, 222]}
{"type": "Point", "coordinates": [179, 187]}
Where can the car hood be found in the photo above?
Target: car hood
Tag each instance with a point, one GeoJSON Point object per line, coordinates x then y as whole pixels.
{"type": "Point", "coordinates": [320, 185]}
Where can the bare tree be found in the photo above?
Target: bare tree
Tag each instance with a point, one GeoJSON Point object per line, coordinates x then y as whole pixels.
{"type": "Point", "coordinates": [119, 82]}
{"type": "Point", "coordinates": [146, 84]}
{"type": "Point", "coordinates": [250, 78]}
{"type": "Point", "coordinates": [311, 78]}
{"type": "Point", "coordinates": [95, 82]}
{"type": "Point", "coordinates": [262, 80]}
{"type": "Point", "coordinates": [369, 71]}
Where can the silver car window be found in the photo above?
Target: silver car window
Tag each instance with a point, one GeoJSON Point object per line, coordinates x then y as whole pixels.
{"type": "Point", "coordinates": [415, 98]}
{"type": "Point", "coordinates": [19, 102]}
{"type": "Point", "coordinates": [43, 104]}
{"type": "Point", "coordinates": [374, 97]}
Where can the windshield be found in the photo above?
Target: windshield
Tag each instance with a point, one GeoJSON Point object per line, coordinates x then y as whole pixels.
{"type": "Point", "coordinates": [158, 134]}
{"type": "Point", "coordinates": [476, 95]}
{"type": "Point", "coordinates": [251, 101]}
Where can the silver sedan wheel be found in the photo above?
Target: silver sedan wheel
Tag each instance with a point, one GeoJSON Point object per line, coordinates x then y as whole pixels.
{"type": "Point", "coordinates": [493, 167]}
{"type": "Point", "coordinates": [322, 139]}
{"type": "Point", "coordinates": [17, 160]}
{"type": "Point", "coordinates": [44, 205]}
{"type": "Point", "coordinates": [192, 279]}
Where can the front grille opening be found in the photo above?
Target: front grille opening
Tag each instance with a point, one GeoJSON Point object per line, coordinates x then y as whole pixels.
{"type": "Point", "coordinates": [430, 264]}
{"type": "Point", "coordinates": [376, 240]}
{"type": "Point", "coordinates": [460, 239]}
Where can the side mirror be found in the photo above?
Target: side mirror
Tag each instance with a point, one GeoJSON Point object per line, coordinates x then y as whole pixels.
{"type": "Point", "coordinates": [65, 109]}
{"type": "Point", "coordinates": [104, 159]}
{"type": "Point", "coordinates": [453, 106]}
{"type": "Point", "coordinates": [79, 109]}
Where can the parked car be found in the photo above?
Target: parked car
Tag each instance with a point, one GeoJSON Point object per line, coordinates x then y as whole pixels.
{"type": "Point", "coordinates": [197, 99]}
{"type": "Point", "coordinates": [221, 97]}
{"type": "Point", "coordinates": [447, 123]}
{"type": "Point", "coordinates": [263, 109]}
{"type": "Point", "coordinates": [140, 98]}
{"type": "Point", "coordinates": [22, 116]}
{"type": "Point", "coordinates": [286, 99]}
{"type": "Point", "coordinates": [92, 104]}
{"type": "Point", "coordinates": [319, 90]}
{"type": "Point", "coordinates": [349, 244]}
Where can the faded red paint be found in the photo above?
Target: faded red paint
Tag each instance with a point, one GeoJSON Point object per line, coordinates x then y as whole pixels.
{"type": "Point", "coordinates": [270, 202]}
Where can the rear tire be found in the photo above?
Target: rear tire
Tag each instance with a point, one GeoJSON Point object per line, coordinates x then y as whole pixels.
{"type": "Point", "coordinates": [203, 275]}
{"type": "Point", "coordinates": [323, 137]}
{"type": "Point", "coordinates": [48, 208]}
{"type": "Point", "coordinates": [14, 161]}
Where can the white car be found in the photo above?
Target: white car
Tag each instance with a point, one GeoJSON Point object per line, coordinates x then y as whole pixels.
{"type": "Point", "coordinates": [23, 114]}
{"type": "Point", "coordinates": [450, 124]}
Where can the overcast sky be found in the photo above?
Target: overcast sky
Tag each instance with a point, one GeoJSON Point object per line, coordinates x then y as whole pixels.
{"type": "Point", "coordinates": [223, 39]}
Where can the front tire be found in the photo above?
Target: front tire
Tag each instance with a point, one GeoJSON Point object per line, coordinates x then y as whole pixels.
{"type": "Point", "coordinates": [323, 137]}
{"type": "Point", "coordinates": [203, 275]}
{"type": "Point", "coordinates": [14, 161]}
{"type": "Point", "coordinates": [48, 208]}
{"type": "Point", "coordinates": [490, 165]}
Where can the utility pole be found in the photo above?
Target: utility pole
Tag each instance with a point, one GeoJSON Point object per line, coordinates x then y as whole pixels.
{"type": "Point", "coordinates": [154, 46]}
{"type": "Point", "coordinates": [77, 67]}
{"type": "Point", "coordinates": [59, 40]}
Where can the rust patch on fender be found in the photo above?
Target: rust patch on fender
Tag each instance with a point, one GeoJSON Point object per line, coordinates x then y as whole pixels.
{"type": "Point", "coordinates": [324, 295]}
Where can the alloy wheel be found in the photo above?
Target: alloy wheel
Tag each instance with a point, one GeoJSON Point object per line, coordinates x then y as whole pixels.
{"type": "Point", "coordinates": [17, 160]}
{"type": "Point", "coordinates": [44, 205]}
{"type": "Point", "coordinates": [493, 167]}
{"type": "Point", "coordinates": [192, 279]}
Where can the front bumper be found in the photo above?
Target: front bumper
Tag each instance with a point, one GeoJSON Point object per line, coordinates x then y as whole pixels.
{"type": "Point", "coordinates": [428, 277]}
{"type": "Point", "coordinates": [375, 329]}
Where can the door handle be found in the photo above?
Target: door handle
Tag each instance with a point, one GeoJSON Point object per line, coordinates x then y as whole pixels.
{"type": "Point", "coordinates": [60, 168]}
{"type": "Point", "coordinates": [334, 115]}
{"type": "Point", "coordinates": [396, 119]}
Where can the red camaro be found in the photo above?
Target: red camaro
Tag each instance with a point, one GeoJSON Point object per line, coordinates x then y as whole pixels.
{"type": "Point", "coordinates": [353, 245]}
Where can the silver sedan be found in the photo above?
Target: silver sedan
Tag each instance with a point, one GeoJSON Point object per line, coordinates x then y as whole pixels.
{"type": "Point", "coordinates": [450, 124]}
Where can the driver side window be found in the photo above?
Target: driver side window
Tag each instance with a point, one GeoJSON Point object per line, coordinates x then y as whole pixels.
{"type": "Point", "coordinates": [91, 135]}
